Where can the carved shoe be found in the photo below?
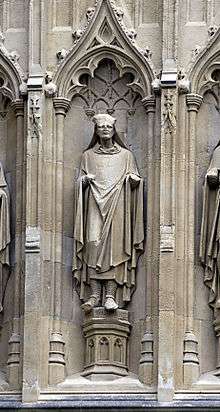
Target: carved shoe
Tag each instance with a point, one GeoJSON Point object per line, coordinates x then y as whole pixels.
{"type": "Point", "coordinates": [110, 303]}
{"type": "Point", "coordinates": [90, 304]}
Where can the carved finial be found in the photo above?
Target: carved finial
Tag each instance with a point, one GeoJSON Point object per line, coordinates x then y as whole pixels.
{"type": "Point", "coordinates": [61, 54]}
{"type": "Point", "coordinates": [50, 88]}
{"type": "Point", "coordinates": [14, 56]}
{"type": "Point", "coordinates": [212, 30]}
{"type": "Point", "coordinates": [90, 13]}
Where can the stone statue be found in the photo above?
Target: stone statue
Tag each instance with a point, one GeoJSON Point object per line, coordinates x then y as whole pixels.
{"type": "Point", "coordinates": [108, 232]}
{"type": "Point", "coordinates": [210, 230]}
{"type": "Point", "coordinates": [4, 233]}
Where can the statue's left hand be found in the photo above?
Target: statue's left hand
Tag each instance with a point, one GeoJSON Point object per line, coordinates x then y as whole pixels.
{"type": "Point", "coordinates": [134, 180]}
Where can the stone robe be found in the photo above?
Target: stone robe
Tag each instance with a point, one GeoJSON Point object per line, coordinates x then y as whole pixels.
{"type": "Point", "coordinates": [109, 233]}
{"type": "Point", "coordinates": [210, 233]}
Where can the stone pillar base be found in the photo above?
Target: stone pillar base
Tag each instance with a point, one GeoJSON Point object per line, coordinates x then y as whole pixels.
{"type": "Point", "coordinates": [106, 335]}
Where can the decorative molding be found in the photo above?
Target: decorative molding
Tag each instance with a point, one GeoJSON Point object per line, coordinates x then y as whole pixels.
{"type": "Point", "coordinates": [190, 352]}
{"type": "Point", "coordinates": [32, 244]}
{"type": "Point", "coordinates": [193, 102]}
{"type": "Point", "coordinates": [61, 105]}
{"type": "Point", "coordinates": [167, 238]}
{"type": "Point", "coordinates": [18, 107]}
{"type": "Point", "coordinates": [149, 103]}
{"type": "Point", "coordinates": [147, 348]}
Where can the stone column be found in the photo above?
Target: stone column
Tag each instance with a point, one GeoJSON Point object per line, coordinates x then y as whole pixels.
{"type": "Point", "coordinates": [14, 350]}
{"type": "Point", "coordinates": [32, 341]}
{"type": "Point", "coordinates": [57, 344]}
{"type": "Point", "coordinates": [166, 359]}
{"type": "Point", "coordinates": [147, 348]}
{"type": "Point", "coordinates": [190, 356]}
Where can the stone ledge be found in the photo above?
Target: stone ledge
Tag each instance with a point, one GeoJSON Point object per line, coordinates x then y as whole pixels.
{"type": "Point", "coordinates": [113, 403]}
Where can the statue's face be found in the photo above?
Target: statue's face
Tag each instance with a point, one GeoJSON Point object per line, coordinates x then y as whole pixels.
{"type": "Point", "coordinates": [105, 130]}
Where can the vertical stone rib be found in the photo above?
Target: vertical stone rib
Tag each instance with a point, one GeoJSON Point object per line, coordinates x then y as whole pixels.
{"type": "Point", "coordinates": [190, 356]}
{"type": "Point", "coordinates": [14, 360]}
{"type": "Point", "coordinates": [56, 355]}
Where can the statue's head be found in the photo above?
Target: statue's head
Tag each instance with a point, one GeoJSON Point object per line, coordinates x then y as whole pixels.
{"type": "Point", "coordinates": [105, 129]}
{"type": "Point", "coordinates": [104, 126]}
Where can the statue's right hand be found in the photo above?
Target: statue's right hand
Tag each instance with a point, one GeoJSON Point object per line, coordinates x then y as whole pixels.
{"type": "Point", "coordinates": [213, 177]}
{"type": "Point", "coordinates": [86, 179]}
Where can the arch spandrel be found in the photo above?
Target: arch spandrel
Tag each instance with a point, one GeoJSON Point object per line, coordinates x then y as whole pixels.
{"type": "Point", "coordinates": [105, 36]}
{"type": "Point", "coordinates": [208, 61]}
{"type": "Point", "coordinates": [12, 75]}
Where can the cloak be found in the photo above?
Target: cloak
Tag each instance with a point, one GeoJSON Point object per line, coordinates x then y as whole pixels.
{"type": "Point", "coordinates": [210, 234]}
{"type": "Point", "coordinates": [108, 231]}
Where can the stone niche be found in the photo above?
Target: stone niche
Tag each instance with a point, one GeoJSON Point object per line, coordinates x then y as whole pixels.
{"type": "Point", "coordinates": [106, 92]}
{"type": "Point", "coordinates": [9, 157]}
{"type": "Point", "coordinates": [207, 140]}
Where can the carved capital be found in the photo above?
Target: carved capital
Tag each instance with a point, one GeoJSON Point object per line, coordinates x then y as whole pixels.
{"type": "Point", "coordinates": [61, 105]}
{"type": "Point", "coordinates": [193, 102]}
{"type": "Point", "coordinates": [18, 107]}
{"type": "Point", "coordinates": [149, 104]}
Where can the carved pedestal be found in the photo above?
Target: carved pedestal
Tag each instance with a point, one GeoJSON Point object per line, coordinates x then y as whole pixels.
{"type": "Point", "coordinates": [106, 335]}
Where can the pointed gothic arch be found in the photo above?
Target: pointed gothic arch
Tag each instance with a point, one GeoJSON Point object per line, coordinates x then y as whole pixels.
{"type": "Point", "coordinates": [206, 64]}
{"type": "Point", "coordinates": [104, 37]}
{"type": "Point", "coordinates": [11, 76]}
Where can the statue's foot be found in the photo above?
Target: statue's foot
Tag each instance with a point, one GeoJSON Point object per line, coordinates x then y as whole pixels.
{"type": "Point", "coordinates": [90, 304]}
{"type": "Point", "coordinates": [110, 303]}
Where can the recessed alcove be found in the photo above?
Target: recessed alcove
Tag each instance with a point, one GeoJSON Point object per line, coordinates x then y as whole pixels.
{"type": "Point", "coordinates": [106, 92]}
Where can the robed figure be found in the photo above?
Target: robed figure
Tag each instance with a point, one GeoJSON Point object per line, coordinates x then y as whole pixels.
{"type": "Point", "coordinates": [4, 235]}
{"type": "Point", "coordinates": [108, 226]}
{"type": "Point", "coordinates": [210, 230]}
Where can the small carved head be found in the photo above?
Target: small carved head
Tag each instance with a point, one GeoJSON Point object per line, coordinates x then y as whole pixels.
{"type": "Point", "coordinates": [77, 34]}
{"type": "Point", "coordinates": [90, 12]}
{"type": "Point", "coordinates": [119, 14]}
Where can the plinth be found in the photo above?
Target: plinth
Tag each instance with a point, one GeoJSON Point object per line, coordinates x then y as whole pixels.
{"type": "Point", "coordinates": [106, 335]}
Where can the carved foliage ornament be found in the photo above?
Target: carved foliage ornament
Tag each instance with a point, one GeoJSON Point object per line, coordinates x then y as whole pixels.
{"type": "Point", "coordinates": [35, 117]}
{"type": "Point", "coordinates": [169, 122]}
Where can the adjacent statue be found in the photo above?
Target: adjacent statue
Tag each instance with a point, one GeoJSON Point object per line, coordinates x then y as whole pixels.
{"type": "Point", "coordinates": [4, 235]}
{"type": "Point", "coordinates": [108, 228]}
{"type": "Point", "coordinates": [210, 230]}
